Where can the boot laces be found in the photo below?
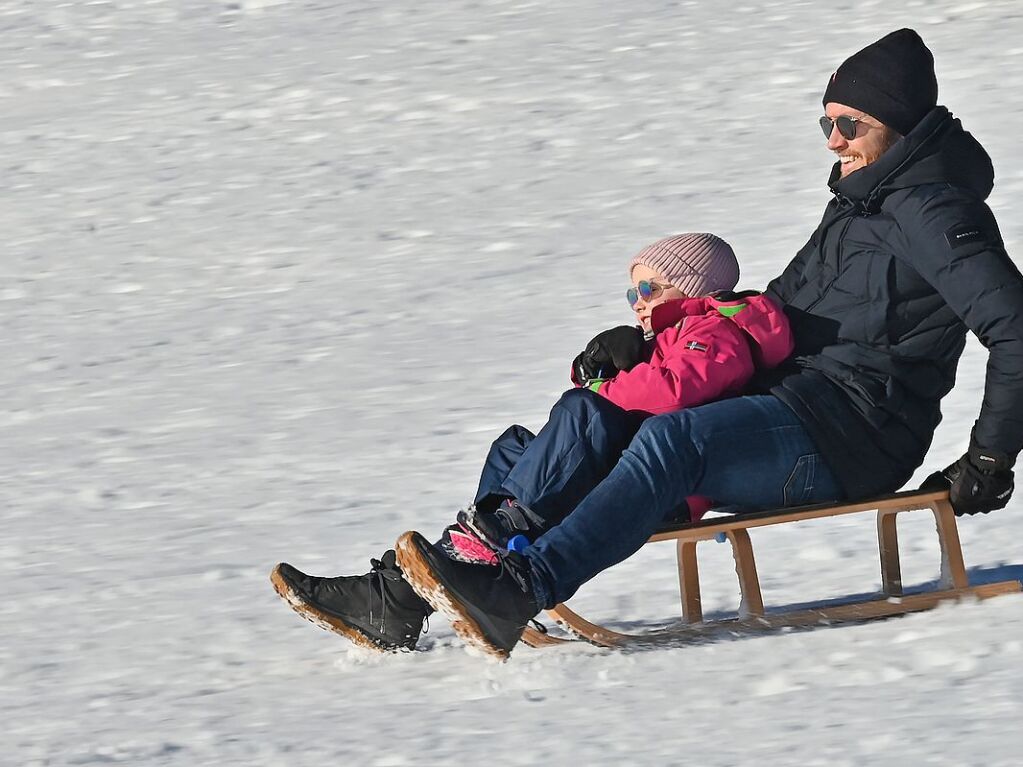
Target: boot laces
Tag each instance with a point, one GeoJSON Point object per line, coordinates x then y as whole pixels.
{"type": "Point", "coordinates": [514, 568]}
{"type": "Point", "coordinates": [379, 574]}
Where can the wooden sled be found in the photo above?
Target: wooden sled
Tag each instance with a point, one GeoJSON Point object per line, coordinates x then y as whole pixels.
{"type": "Point", "coordinates": [953, 583]}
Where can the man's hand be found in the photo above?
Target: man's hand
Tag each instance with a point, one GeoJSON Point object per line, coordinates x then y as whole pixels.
{"type": "Point", "coordinates": [609, 352]}
{"type": "Point", "coordinates": [979, 482]}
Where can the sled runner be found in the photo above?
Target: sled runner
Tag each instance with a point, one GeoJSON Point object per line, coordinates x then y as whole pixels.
{"type": "Point", "coordinates": [953, 583]}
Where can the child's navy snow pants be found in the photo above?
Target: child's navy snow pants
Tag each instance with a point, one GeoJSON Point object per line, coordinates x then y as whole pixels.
{"type": "Point", "coordinates": [551, 472]}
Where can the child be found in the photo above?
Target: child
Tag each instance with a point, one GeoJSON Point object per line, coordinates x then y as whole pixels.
{"type": "Point", "coordinates": [695, 342]}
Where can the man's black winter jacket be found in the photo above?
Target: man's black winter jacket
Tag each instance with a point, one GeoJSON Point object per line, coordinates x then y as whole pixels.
{"type": "Point", "coordinates": [906, 259]}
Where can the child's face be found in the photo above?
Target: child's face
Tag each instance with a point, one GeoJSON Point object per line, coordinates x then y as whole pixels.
{"type": "Point", "coordinates": [662, 292]}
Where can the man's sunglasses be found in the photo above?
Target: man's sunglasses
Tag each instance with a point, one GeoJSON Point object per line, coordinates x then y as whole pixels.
{"type": "Point", "coordinates": [645, 290]}
{"type": "Point", "coordinates": [846, 126]}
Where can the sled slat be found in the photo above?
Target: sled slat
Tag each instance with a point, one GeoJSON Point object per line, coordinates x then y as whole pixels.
{"type": "Point", "coordinates": [535, 638]}
{"type": "Point", "coordinates": [752, 616]}
{"type": "Point", "coordinates": [709, 528]}
{"type": "Point", "coordinates": [591, 632]}
{"type": "Point", "coordinates": [953, 569]}
{"type": "Point", "coordinates": [752, 603]}
{"type": "Point", "coordinates": [888, 548]}
{"type": "Point", "coordinates": [816, 616]}
{"type": "Point", "coordinates": [689, 582]}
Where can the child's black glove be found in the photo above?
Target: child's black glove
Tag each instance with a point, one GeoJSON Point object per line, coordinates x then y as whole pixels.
{"type": "Point", "coordinates": [979, 482]}
{"type": "Point", "coordinates": [610, 352]}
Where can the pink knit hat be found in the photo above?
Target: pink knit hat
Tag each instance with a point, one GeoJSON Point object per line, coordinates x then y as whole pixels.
{"type": "Point", "coordinates": [696, 263]}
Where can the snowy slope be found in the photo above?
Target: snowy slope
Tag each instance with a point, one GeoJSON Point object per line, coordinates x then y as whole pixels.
{"type": "Point", "coordinates": [274, 274]}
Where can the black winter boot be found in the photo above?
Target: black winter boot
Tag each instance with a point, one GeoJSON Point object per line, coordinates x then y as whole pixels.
{"type": "Point", "coordinates": [378, 610]}
{"type": "Point", "coordinates": [488, 605]}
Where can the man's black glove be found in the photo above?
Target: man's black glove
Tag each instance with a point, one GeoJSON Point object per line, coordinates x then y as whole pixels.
{"type": "Point", "coordinates": [979, 482]}
{"type": "Point", "coordinates": [609, 352]}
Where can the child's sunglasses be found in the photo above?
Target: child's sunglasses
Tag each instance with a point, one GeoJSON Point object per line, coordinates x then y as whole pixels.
{"type": "Point", "coordinates": [645, 290]}
{"type": "Point", "coordinates": [846, 126]}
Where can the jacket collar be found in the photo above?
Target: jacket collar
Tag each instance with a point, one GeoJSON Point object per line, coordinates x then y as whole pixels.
{"type": "Point", "coordinates": [672, 312]}
{"type": "Point", "coordinates": [869, 181]}
{"type": "Point", "coordinates": [936, 150]}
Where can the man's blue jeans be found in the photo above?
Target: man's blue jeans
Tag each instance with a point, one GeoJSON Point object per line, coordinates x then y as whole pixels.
{"type": "Point", "coordinates": [747, 451]}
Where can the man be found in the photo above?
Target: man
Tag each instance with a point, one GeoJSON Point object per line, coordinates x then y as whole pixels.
{"type": "Point", "coordinates": [906, 259]}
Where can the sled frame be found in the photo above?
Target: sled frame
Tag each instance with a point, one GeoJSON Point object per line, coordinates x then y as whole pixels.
{"type": "Point", "coordinates": [952, 584]}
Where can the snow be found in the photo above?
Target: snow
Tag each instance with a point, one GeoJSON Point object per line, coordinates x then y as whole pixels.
{"type": "Point", "coordinates": [274, 275]}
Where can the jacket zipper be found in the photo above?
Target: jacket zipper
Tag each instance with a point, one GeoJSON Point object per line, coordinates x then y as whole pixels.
{"type": "Point", "coordinates": [849, 216]}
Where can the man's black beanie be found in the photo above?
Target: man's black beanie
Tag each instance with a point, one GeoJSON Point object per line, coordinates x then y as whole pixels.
{"type": "Point", "coordinates": [891, 79]}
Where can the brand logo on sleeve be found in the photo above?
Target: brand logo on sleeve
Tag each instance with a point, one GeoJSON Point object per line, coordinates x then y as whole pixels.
{"type": "Point", "coordinates": [963, 234]}
{"type": "Point", "coordinates": [696, 346]}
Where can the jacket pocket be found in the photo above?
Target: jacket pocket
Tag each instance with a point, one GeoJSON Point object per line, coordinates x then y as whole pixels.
{"type": "Point", "coordinates": [799, 486]}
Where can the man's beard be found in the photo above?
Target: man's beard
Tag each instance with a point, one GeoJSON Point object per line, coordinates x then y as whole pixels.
{"type": "Point", "coordinates": [888, 140]}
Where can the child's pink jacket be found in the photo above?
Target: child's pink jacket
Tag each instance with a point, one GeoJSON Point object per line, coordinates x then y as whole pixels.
{"type": "Point", "coordinates": [703, 350]}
